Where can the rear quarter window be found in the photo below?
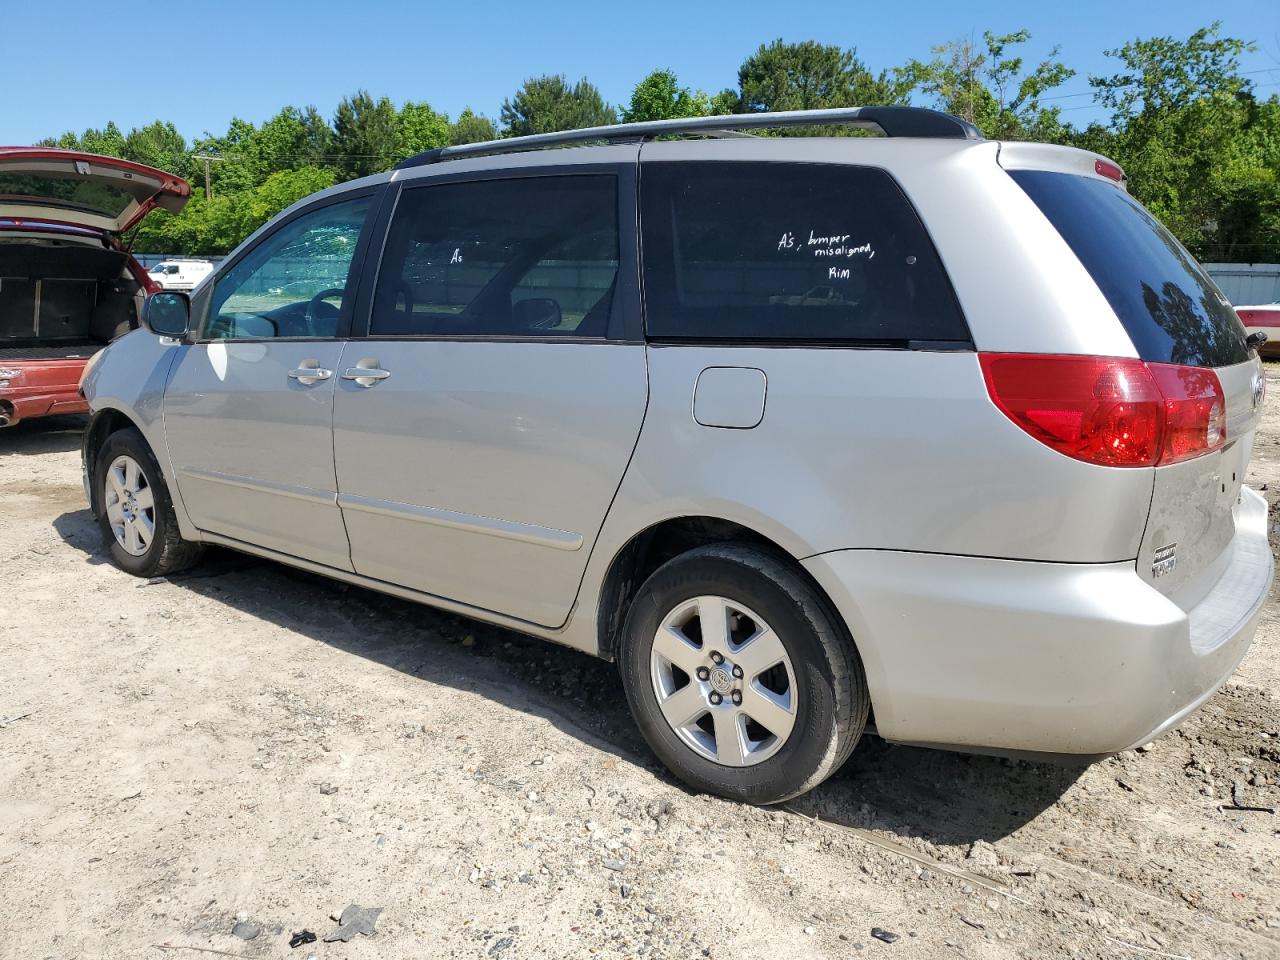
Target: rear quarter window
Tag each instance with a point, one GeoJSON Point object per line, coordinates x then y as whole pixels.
{"type": "Point", "coordinates": [1170, 308]}
{"type": "Point", "coordinates": [789, 252]}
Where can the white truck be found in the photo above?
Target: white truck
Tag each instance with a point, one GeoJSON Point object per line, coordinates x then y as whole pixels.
{"type": "Point", "coordinates": [180, 274]}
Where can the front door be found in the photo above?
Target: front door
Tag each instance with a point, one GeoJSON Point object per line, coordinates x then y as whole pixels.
{"type": "Point", "coordinates": [482, 428]}
{"type": "Point", "coordinates": [248, 409]}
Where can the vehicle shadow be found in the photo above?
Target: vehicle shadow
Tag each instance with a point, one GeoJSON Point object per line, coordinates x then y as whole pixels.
{"type": "Point", "coordinates": [941, 797]}
{"type": "Point", "coordinates": [33, 438]}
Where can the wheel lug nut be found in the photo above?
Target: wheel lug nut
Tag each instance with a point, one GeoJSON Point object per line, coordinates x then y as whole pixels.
{"type": "Point", "coordinates": [704, 673]}
{"type": "Point", "coordinates": [737, 671]}
{"type": "Point", "coordinates": [716, 699]}
{"type": "Point", "coordinates": [737, 698]}
{"type": "Point", "coordinates": [717, 659]}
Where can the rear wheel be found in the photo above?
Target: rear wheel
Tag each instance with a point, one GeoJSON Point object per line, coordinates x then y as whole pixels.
{"type": "Point", "coordinates": [741, 678]}
{"type": "Point", "coordinates": [139, 528]}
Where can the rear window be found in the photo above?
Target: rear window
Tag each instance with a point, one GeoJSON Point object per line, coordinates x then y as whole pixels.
{"type": "Point", "coordinates": [789, 252]}
{"type": "Point", "coordinates": [90, 196]}
{"type": "Point", "coordinates": [1170, 308]}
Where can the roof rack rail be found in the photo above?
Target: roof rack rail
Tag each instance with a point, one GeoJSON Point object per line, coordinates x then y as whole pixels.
{"type": "Point", "coordinates": [892, 121]}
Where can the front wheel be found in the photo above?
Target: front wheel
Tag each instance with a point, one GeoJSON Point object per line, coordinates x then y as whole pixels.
{"type": "Point", "coordinates": [139, 528]}
{"type": "Point", "coordinates": [742, 679]}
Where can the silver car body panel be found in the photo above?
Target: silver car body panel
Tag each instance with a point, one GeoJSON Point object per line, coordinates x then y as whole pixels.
{"type": "Point", "coordinates": [1060, 658]}
{"type": "Point", "coordinates": [1191, 506]}
{"type": "Point", "coordinates": [252, 447]}
{"type": "Point", "coordinates": [1001, 594]}
{"type": "Point", "coordinates": [130, 382]}
{"type": "Point", "coordinates": [849, 452]}
{"type": "Point", "coordinates": [482, 470]}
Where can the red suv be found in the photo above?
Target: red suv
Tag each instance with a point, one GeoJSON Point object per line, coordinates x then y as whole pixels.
{"type": "Point", "coordinates": [68, 286]}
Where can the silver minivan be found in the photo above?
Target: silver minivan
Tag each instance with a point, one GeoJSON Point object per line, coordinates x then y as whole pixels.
{"type": "Point", "coordinates": [920, 432]}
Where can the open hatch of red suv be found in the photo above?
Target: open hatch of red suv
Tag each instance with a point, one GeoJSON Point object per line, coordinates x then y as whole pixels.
{"type": "Point", "coordinates": [68, 285]}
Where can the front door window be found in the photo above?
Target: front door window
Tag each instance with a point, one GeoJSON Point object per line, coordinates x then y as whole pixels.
{"type": "Point", "coordinates": [292, 284]}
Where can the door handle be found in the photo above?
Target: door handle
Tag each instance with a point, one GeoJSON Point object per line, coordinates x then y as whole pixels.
{"type": "Point", "coordinates": [309, 375]}
{"type": "Point", "coordinates": [365, 376]}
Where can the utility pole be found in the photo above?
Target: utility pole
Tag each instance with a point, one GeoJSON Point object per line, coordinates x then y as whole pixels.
{"type": "Point", "coordinates": [208, 184]}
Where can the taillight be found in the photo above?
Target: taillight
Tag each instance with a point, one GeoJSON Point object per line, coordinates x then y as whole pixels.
{"type": "Point", "coordinates": [1111, 411]}
{"type": "Point", "coordinates": [1109, 170]}
{"type": "Point", "coordinates": [1195, 410]}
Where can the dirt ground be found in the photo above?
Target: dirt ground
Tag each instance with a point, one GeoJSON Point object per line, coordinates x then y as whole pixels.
{"type": "Point", "coordinates": [252, 744]}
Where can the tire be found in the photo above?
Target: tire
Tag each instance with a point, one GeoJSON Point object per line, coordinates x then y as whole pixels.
{"type": "Point", "coordinates": [161, 552]}
{"type": "Point", "coordinates": [819, 687]}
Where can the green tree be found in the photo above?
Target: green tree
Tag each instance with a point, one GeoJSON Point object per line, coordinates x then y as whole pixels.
{"type": "Point", "coordinates": [239, 166]}
{"type": "Point", "coordinates": [366, 135]}
{"type": "Point", "coordinates": [548, 104]}
{"type": "Point", "coordinates": [280, 190]}
{"type": "Point", "coordinates": [472, 128]}
{"type": "Point", "coordinates": [809, 76]}
{"type": "Point", "coordinates": [987, 85]}
{"type": "Point", "coordinates": [292, 138]}
{"type": "Point", "coordinates": [420, 128]}
{"type": "Point", "coordinates": [158, 145]}
{"type": "Point", "coordinates": [659, 96]}
{"type": "Point", "coordinates": [109, 141]}
{"type": "Point", "coordinates": [1200, 150]}
{"type": "Point", "coordinates": [725, 102]}
{"type": "Point", "coordinates": [1164, 74]}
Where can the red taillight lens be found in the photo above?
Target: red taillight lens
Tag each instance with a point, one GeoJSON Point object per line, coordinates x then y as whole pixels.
{"type": "Point", "coordinates": [1109, 170]}
{"type": "Point", "coordinates": [1111, 411]}
{"type": "Point", "coordinates": [1195, 410]}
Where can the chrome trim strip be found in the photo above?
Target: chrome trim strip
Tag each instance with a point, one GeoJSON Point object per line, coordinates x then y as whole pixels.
{"type": "Point", "coordinates": [491, 526]}
{"type": "Point", "coordinates": [309, 494]}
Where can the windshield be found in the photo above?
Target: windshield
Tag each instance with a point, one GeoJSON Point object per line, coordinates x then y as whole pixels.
{"type": "Point", "coordinates": [1170, 308]}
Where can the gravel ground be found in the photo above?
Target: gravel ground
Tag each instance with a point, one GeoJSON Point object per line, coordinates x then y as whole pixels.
{"type": "Point", "coordinates": [251, 747]}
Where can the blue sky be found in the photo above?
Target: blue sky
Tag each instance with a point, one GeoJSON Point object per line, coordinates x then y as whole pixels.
{"type": "Point", "coordinates": [201, 64]}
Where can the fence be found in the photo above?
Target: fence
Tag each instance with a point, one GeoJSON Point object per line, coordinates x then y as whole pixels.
{"type": "Point", "coordinates": [1245, 284]}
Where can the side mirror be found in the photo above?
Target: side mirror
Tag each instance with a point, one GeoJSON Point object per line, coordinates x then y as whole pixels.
{"type": "Point", "coordinates": [167, 313]}
{"type": "Point", "coordinates": [538, 313]}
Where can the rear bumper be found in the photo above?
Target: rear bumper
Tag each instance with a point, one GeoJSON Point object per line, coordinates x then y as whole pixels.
{"type": "Point", "coordinates": [1081, 659]}
{"type": "Point", "coordinates": [15, 407]}
{"type": "Point", "coordinates": [40, 388]}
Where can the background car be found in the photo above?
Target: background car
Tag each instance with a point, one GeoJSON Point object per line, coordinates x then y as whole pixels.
{"type": "Point", "coordinates": [1264, 318]}
{"type": "Point", "coordinates": [67, 285]}
{"type": "Point", "coordinates": [180, 274]}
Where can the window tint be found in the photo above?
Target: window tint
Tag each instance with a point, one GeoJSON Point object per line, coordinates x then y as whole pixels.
{"type": "Point", "coordinates": [1171, 310]}
{"type": "Point", "coordinates": [292, 283]}
{"type": "Point", "coordinates": [789, 251]}
{"type": "Point", "coordinates": [521, 257]}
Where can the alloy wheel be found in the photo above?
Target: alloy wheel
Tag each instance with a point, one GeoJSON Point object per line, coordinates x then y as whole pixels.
{"type": "Point", "coordinates": [130, 505]}
{"type": "Point", "coordinates": [723, 681]}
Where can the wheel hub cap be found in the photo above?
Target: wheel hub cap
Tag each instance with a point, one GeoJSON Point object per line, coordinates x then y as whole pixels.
{"type": "Point", "coordinates": [721, 681]}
